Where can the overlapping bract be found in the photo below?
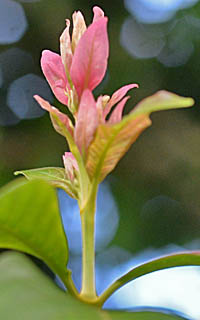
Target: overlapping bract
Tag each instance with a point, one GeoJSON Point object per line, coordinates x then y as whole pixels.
{"type": "Point", "coordinates": [83, 60]}
{"type": "Point", "coordinates": [100, 134]}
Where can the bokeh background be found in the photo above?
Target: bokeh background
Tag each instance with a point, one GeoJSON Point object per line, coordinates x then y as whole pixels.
{"type": "Point", "coordinates": [150, 204]}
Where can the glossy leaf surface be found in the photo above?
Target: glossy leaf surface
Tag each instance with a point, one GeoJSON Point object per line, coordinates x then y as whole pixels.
{"type": "Point", "coordinates": [27, 293]}
{"type": "Point", "coordinates": [30, 222]}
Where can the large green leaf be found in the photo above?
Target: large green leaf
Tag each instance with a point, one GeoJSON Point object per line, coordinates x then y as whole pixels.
{"type": "Point", "coordinates": [30, 222]}
{"type": "Point", "coordinates": [27, 293]}
{"type": "Point", "coordinates": [173, 260]}
{"type": "Point", "coordinates": [112, 141]}
{"type": "Point", "coordinates": [55, 176]}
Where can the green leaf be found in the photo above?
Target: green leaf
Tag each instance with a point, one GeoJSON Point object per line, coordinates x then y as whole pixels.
{"type": "Point", "coordinates": [112, 141]}
{"type": "Point", "coordinates": [30, 222]}
{"type": "Point", "coordinates": [170, 261]}
{"type": "Point", "coordinates": [162, 100]}
{"type": "Point", "coordinates": [55, 176]}
{"type": "Point", "coordinates": [27, 293]}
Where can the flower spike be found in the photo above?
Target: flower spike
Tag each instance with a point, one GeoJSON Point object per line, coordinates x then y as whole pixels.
{"type": "Point", "coordinates": [83, 60]}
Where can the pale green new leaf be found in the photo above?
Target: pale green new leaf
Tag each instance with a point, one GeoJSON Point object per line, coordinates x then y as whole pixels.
{"type": "Point", "coordinates": [26, 293]}
{"type": "Point", "coordinates": [170, 261]}
{"type": "Point", "coordinates": [30, 222]}
{"type": "Point", "coordinates": [55, 176]}
{"type": "Point", "coordinates": [112, 141]}
{"type": "Point", "coordinates": [162, 100]}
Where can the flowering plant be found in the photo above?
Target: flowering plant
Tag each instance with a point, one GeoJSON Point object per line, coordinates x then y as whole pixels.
{"type": "Point", "coordinates": [98, 136]}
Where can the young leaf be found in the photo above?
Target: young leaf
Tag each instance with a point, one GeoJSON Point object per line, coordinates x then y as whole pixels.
{"type": "Point", "coordinates": [30, 222]}
{"type": "Point", "coordinates": [79, 27]}
{"type": "Point", "coordinates": [170, 261]}
{"type": "Point", "coordinates": [117, 96]}
{"type": "Point", "coordinates": [55, 176]}
{"type": "Point", "coordinates": [116, 115]}
{"type": "Point", "coordinates": [90, 58]}
{"type": "Point", "coordinates": [65, 47]}
{"type": "Point", "coordinates": [54, 72]}
{"type": "Point", "coordinates": [27, 293]}
{"type": "Point", "coordinates": [112, 141]}
{"type": "Point", "coordinates": [162, 100]}
{"type": "Point", "coordinates": [61, 116]}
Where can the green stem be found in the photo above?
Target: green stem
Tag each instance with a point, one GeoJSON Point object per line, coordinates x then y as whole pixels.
{"type": "Point", "coordinates": [69, 283]}
{"type": "Point", "coordinates": [88, 291]}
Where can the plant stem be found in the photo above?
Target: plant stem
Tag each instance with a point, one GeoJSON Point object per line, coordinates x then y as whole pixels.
{"type": "Point", "coordinates": [88, 291]}
{"type": "Point", "coordinates": [68, 282]}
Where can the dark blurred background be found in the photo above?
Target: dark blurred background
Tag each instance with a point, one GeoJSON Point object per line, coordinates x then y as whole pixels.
{"type": "Point", "coordinates": [155, 43]}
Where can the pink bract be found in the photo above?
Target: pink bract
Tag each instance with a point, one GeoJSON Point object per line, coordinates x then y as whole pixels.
{"type": "Point", "coordinates": [87, 121]}
{"type": "Point", "coordinates": [89, 63]}
{"type": "Point", "coordinates": [52, 110]}
{"type": "Point", "coordinates": [117, 96]}
{"type": "Point", "coordinates": [54, 72]}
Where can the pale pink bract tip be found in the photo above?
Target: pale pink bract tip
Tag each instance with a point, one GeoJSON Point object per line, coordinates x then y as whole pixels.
{"type": "Point", "coordinates": [98, 13]}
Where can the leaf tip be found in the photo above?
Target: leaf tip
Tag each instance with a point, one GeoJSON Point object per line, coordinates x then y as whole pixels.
{"type": "Point", "coordinates": [16, 173]}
